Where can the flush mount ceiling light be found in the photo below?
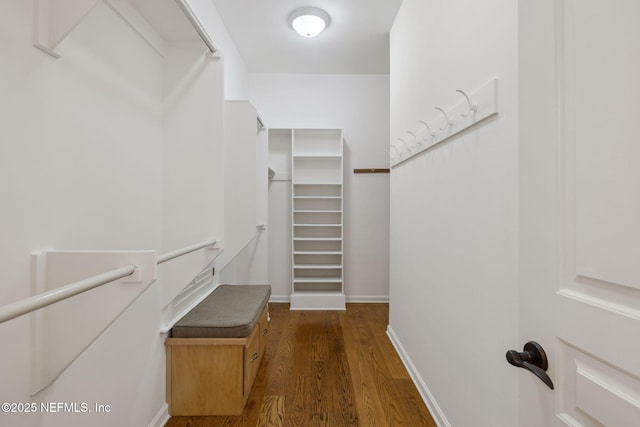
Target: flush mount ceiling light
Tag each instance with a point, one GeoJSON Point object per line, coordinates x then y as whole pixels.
{"type": "Point", "coordinates": [309, 21]}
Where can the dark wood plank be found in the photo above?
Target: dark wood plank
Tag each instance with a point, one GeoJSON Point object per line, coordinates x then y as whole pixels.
{"type": "Point", "coordinates": [271, 412]}
{"type": "Point", "coordinates": [296, 403]}
{"type": "Point", "coordinates": [328, 368]}
{"type": "Point", "coordinates": [341, 384]}
{"type": "Point", "coordinates": [372, 170]}
{"type": "Point", "coordinates": [280, 349]}
{"type": "Point", "coordinates": [418, 413]}
{"type": "Point", "coordinates": [369, 407]}
{"type": "Point", "coordinates": [320, 399]}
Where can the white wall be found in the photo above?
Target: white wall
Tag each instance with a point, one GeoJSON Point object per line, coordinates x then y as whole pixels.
{"type": "Point", "coordinates": [360, 105]}
{"type": "Point", "coordinates": [88, 148]}
{"type": "Point", "coordinates": [453, 280]}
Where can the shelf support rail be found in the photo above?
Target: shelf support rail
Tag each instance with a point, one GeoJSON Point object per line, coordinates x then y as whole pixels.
{"type": "Point", "coordinates": [27, 305]}
{"type": "Point", "coordinates": [191, 16]}
{"type": "Point", "coordinates": [188, 249]}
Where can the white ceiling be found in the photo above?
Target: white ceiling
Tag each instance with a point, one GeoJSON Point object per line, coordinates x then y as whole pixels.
{"type": "Point", "coordinates": [356, 41]}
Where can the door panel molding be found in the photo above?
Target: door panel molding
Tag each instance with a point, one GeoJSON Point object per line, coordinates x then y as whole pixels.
{"type": "Point", "coordinates": [607, 296]}
{"type": "Point", "coordinates": [603, 70]}
{"type": "Point", "coordinates": [592, 266]}
{"type": "Point", "coordinates": [592, 388]}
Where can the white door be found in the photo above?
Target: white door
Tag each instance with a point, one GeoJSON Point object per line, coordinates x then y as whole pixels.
{"type": "Point", "coordinates": [580, 210]}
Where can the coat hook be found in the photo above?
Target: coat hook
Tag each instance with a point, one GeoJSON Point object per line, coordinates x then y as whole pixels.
{"type": "Point", "coordinates": [449, 122]}
{"type": "Point", "coordinates": [415, 137]}
{"type": "Point", "coordinates": [433, 135]}
{"type": "Point", "coordinates": [404, 143]}
{"type": "Point", "coordinates": [472, 107]}
{"type": "Point", "coordinates": [427, 125]}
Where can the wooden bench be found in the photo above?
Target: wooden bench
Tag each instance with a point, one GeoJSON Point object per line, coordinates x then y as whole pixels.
{"type": "Point", "coordinates": [215, 350]}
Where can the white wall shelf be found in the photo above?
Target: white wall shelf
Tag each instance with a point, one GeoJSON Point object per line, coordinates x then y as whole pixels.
{"type": "Point", "coordinates": [317, 252]}
{"type": "Point", "coordinates": [316, 211]}
{"type": "Point", "coordinates": [337, 239]}
{"type": "Point", "coordinates": [317, 226]}
{"type": "Point", "coordinates": [319, 156]}
{"type": "Point", "coordinates": [317, 266]}
{"type": "Point", "coordinates": [317, 197]}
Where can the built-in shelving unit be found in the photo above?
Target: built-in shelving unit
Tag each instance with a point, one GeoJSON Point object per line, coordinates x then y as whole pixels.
{"type": "Point", "coordinates": [317, 219]}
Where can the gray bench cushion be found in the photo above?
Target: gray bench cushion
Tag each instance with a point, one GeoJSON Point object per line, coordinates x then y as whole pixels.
{"type": "Point", "coordinates": [231, 311]}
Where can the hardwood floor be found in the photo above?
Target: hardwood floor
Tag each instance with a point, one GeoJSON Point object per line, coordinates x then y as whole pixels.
{"type": "Point", "coordinates": [328, 368]}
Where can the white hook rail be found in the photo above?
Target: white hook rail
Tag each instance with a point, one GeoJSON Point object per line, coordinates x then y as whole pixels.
{"type": "Point", "coordinates": [476, 107]}
{"type": "Point", "coordinates": [27, 305]}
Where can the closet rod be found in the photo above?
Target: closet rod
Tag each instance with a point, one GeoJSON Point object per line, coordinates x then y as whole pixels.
{"type": "Point", "coordinates": [44, 299]}
{"type": "Point", "coordinates": [27, 305]}
{"type": "Point", "coordinates": [179, 252]}
{"type": "Point", "coordinates": [191, 16]}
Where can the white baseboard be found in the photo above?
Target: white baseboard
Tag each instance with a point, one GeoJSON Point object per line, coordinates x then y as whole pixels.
{"type": "Point", "coordinates": [350, 298]}
{"type": "Point", "coordinates": [425, 393]}
{"type": "Point", "coordinates": [368, 298]}
{"type": "Point", "coordinates": [161, 417]}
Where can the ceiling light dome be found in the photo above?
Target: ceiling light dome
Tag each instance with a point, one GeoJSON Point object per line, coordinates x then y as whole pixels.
{"type": "Point", "coordinates": [309, 21]}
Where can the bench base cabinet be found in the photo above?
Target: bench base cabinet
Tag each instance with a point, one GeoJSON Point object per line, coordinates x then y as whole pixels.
{"type": "Point", "coordinates": [213, 376]}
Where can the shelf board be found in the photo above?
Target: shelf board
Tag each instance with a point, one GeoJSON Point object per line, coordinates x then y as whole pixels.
{"type": "Point", "coordinates": [317, 183]}
{"type": "Point", "coordinates": [317, 225]}
{"type": "Point", "coordinates": [318, 239]}
{"type": "Point", "coordinates": [317, 211]}
{"type": "Point", "coordinates": [317, 197]}
{"type": "Point", "coordinates": [317, 156]}
{"type": "Point", "coordinates": [317, 252]}
{"type": "Point", "coordinates": [319, 293]}
{"type": "Point", "coordinates": [318, 266]}
{"type": "Point", "coordinates": [318, 280]}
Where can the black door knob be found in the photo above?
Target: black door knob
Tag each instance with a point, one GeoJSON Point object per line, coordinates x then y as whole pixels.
{"type": "Point", "coordinates": [533, 359]}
